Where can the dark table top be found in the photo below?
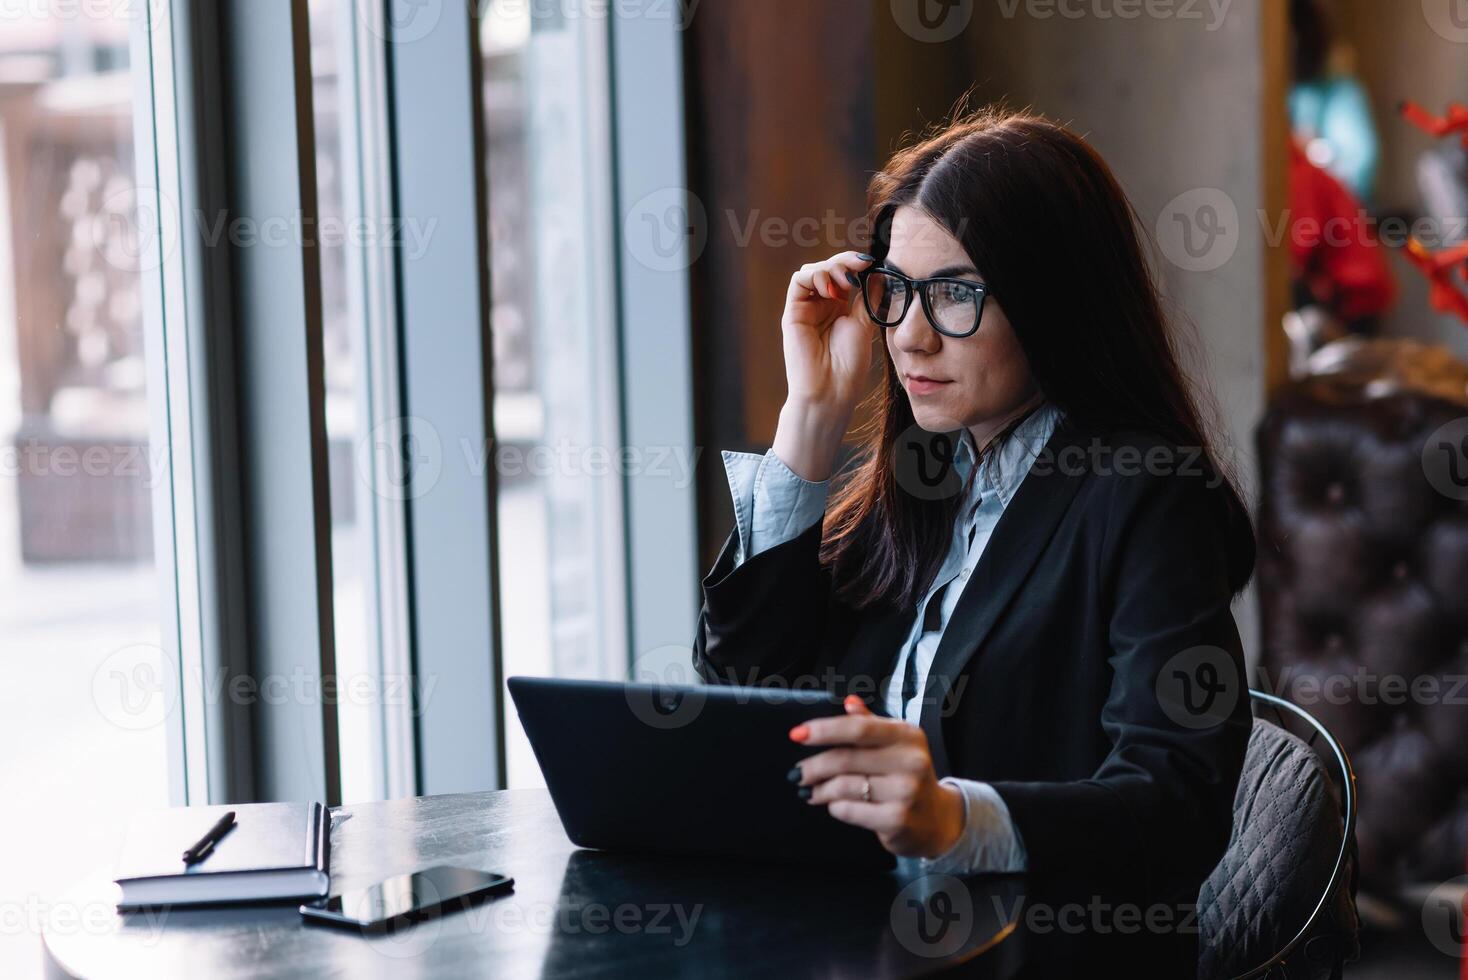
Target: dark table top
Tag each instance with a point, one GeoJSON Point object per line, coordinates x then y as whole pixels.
{"type": "Point", "coordinates": [573, 913]}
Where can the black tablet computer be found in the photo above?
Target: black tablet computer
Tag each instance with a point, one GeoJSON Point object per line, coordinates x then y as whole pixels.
{"type": "Point", "coordinates": [685, 770]}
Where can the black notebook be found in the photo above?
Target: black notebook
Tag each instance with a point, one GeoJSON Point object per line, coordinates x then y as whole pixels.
{"type": "Point", "coordinates": [275, 851]}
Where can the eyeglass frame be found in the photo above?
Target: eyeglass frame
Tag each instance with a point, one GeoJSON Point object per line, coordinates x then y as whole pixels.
{"type": "Point", "coordinates": [920, 287]}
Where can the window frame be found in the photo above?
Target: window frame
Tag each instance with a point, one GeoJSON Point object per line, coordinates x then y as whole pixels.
{"type": "Point", "coordinates": [188, 537]}
{"type": "Point", "coordinates": [279, 402]}
{"type": "Point", "coordinates": [657, 357]}
{"type": "Point", "coordinates": [438, 163]}
{"type": "Point", "coordinates": [372, 278]}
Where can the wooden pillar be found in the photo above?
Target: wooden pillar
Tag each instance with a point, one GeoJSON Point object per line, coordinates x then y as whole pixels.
{"type": "Point", "coordinates": [1274, 40]}
{"type": "Point", "coordinates": [781, 146]}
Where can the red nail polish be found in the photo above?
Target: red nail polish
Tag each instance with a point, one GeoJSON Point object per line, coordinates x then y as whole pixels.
{"type": "Point", "coordinates": [799, 733]}
{"type": "Point", "coordinates": [852, 701]}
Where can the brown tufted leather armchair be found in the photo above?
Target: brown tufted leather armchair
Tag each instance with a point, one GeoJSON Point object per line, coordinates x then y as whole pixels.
{"type": "Point", "coordinates": [1363, 585]}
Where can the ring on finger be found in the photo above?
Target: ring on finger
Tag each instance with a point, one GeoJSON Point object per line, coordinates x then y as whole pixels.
{"type": "Point", "coordinates": [866, 790]}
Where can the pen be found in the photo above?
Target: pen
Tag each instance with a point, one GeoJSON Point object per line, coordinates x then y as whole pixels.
{"type": "Point", "coordinates": [206, 843]}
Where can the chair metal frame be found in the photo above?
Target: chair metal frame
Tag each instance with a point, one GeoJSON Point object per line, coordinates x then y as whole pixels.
{"type": "Point", "coordinates": [1280, 960]}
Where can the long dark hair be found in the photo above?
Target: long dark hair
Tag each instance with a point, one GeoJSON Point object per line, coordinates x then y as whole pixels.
{"type": "Point", "coordinates": [1031, 203]}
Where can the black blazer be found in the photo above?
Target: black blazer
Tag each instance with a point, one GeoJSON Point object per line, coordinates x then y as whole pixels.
{"type": "Point", "coordinates": [1056, 676]}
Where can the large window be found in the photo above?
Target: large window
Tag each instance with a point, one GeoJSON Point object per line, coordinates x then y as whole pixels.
{"type": "Point", "coordinates": [228, 339]}
{"type": "Point", "coordinates": [553, 320]}
{"type": "Point", "coordinates": [89, 711]}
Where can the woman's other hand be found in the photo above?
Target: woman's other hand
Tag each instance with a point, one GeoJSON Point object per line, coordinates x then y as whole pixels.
{"type": "Point", "coordinates": [912, 813]}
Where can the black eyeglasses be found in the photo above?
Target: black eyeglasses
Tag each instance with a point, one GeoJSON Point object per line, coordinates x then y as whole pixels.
{"type": "Point", "coordinates": [954, 306]}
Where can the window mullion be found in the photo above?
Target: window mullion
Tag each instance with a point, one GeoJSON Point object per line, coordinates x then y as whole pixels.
{"type": "Point", "coordinates": [277, 286]}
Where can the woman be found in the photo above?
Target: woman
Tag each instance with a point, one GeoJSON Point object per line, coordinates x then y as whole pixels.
{"type": "Point", "coordinates": [1023, 587]}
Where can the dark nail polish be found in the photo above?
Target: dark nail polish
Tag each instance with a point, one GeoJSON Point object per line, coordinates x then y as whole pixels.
{"type": "Point", "coordinates": [851, 278]}
{"type": "Point", "coordinates": [804, 792]}
{"type": "Point", "coordinates": [866, 258]}
{"type": "Point", "coordinates": [793, 775]}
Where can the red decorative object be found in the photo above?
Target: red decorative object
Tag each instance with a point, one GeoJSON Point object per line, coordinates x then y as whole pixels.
{"type": "Point", "coordinates": [1448, 290]}
{"type": "Point", "coordinates": [1333, 251]}
{"type": "Point", "coordinates": [1456, 121]}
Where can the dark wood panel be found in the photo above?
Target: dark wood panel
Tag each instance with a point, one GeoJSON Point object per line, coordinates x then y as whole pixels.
{"type": "Point", "coordinates": [780, 131]}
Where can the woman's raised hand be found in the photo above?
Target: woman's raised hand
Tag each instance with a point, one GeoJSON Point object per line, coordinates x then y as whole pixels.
{"type": "Point", "coordinates": [828, 352]}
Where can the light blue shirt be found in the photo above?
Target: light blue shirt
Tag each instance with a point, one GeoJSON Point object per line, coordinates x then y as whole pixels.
{"type": "Point", "coordinates": [772, 505]}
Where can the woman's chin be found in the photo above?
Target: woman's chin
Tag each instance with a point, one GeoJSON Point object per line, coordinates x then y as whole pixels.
{"type": "Point", "coordinates": [931, 419]}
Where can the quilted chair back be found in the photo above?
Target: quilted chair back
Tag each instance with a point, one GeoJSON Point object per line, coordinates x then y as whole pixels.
{"type": "Point", "coordinates": [1281, 861]}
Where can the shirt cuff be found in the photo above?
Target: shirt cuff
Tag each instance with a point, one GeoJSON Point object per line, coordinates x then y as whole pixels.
{"type": "Point", "coordinates": [989, 842]}
{"type": "Point", "coordinates": [771, 504]}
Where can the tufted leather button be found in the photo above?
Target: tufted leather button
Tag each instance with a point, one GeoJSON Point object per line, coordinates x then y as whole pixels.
{"type": "Point", "coordinates": [1336, 492]}
{"type": "Point", "coordinates": [1400, 570]}
{"type": "Point", "coordinates": [1334, 642]}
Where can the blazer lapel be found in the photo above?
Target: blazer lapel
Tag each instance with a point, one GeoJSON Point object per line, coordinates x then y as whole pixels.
{"type": "Point", "coordinates": [1023, 531]}
{"type": "Point", "coordinates": [869, 660]}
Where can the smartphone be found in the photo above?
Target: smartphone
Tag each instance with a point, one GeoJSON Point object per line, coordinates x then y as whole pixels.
{"type": "Point", "coordinates": [407, 898]}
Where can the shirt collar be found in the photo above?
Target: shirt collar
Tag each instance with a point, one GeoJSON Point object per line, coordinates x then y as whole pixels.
{"type": "Point", "coordinates": [1009, 460]}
